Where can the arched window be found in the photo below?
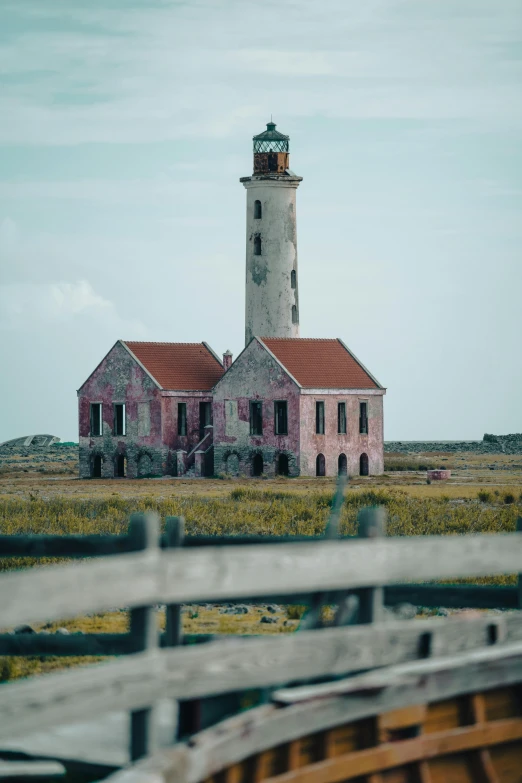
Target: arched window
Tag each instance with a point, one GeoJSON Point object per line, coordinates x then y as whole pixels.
{"type": "Point", "coordinates": [342, 467]}
{"type": "Point", "coordinates": [294, 315]}
{"type": "Point", "coordinates": [293, 278]}
{"type": "Point", "coordinates": [282, 465]}
{"type": "Point", "coordinates": [257, 465]}
{"type": "Point", "coordinates": [258, 210]}
{"type": "Point", "coordinates": [96, 466]}
{"type": "Point", "coordinates": [257, 245]}
{"type": "Point", "coordinates": [364, 468]}
{"type": "Point", "coordinates": [320, 467]}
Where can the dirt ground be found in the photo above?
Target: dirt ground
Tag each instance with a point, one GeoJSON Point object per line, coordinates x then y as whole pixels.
{"type": "Point", "coordinates": [469, 473]}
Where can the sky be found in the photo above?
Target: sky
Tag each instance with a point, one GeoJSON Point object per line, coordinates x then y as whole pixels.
{"type": "Point", "coordinates": [126, 125]}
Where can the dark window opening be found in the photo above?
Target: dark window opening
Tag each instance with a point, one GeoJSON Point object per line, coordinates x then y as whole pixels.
{"type": "Point", "coordinates": [258, 210]}
{"type": "Point", "coordinates": [294, 315]}
{"type": "Point", "coordinates": [96, 466]}
{"type": "Point", "coordinates": [119, 419]}
{"type": "Point", "coordinates": [257, 245]}
{"type": "Point", "coordinates": [281, 417]}
{"type": "Point", "coordinates": [205, 414]}
{"type": "Point", "coordinates": [282, 465]}
{"type": "Point", "coordinates": [364, 468]}
{"type": "Point", "coordinates": [363, 418]}
{"type": "Point", "coordinates": [182, 418]}
{"type": "Point", "coordinates": [341, 418]}
{"type": "Point", "coordinates": [293, 278]}
{"type": "Point", "coordinates": [320, 465]}
{"type": "Point", "coordinates": [342, 465]}
{"type": "Point", "coordinates": [319, 418]}
{"type": "Point", "coordinates": [257, 465]}
{"type": "Point", "coordinates": [256, 418]}
{"type": "Point", "coordinates": [121, 466]}
{"type": "Point", "coordinates": [96, 418]}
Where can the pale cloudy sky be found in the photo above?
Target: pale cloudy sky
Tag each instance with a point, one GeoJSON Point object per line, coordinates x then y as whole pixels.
{"type": "Point", "coordinates": [126, 124]}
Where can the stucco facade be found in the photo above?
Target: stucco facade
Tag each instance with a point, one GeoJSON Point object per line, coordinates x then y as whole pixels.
{"type": "Point", "coordinates": [151, 442]}
{"type": "Point", "coordinates": [255, 376]}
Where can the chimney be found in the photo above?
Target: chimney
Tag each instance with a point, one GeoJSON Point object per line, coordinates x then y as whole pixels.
{"type": "Point", "coordinates": [227, 360]}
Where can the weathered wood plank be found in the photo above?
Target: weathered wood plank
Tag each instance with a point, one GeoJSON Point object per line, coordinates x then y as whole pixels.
{"type": "Point", "coordinates": [214, 573]}
{"type": "Point", "coordinates": [235, 664]}
{"type": "Point", "coordinates": [31, 769]}
{"type": "Point", "coordinates": [262, 728]}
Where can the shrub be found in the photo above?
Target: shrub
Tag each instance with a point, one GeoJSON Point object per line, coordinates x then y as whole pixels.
{"type": "Point", "coordinates": [484, 496]}
{"type": "Point", "coordinates": [509, 497]}
{"type": "Point", "coordinates": [295, 612]}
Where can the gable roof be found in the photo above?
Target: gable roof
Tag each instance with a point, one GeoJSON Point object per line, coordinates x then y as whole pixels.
{"type": "Point", "coordinates": [320, 363]}
{"type": "Point", "coordinates": [180, 366]}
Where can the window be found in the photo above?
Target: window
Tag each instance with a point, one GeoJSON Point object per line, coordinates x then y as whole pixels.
{"type": "Point", "coordinates": [342, 465]}
{"type": "Point", "coordinates": [119, 419]}
{"type": "Point", "coordinates": [293, 278]}
{"type": "Point", "coordinates": [364, 466]}
{"type": "Point", "coordinates": [182, 418]}
{"type": "Point", "coordinates": [258, 212]}
{"type": "Point", "coordinates": [281, 417]}
{"type": "Point", "coordinates": [204, 417]}
{"type": "Point", "coordinates": [96, 418]}
{"type": "Point", "coordinates": [363, 418]}
{"type": "Point", "coordinates": [319, 418]}
{"type": "Point", "coordinates": [320, 465]}
{"type": "Point", "coordinates": [294, 315]}
{"type": "Point", "coordinates": [257, 245]}
{"type": "Point", "coordinates": [256, 417]}
{"type": "Point", "coordinates": [341, 418]}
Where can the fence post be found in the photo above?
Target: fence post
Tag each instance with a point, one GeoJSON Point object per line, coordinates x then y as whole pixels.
{"type": "Point", "coordinates": [188, 711]}
{"type": "Point", "coordinates": [519, 580]}
{"type": "Point", "coordinates": [371, 524]}
{"type": "Point", "coordinates": [143, 534]}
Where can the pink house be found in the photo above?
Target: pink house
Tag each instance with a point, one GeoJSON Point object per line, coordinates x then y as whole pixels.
{"type": "Point", "coordinates": [146, 410]}
{"type": "Point", "coordinates": [295, 406]}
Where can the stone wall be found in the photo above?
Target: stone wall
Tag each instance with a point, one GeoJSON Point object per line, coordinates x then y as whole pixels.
{"type": "Point", "coordinates": [490, 444]}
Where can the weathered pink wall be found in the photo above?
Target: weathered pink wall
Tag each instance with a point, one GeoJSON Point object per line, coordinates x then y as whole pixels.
{"type": "Point", "coordinates": [332, 444]}
{"type": "Point", "coordinates": [255, 375]}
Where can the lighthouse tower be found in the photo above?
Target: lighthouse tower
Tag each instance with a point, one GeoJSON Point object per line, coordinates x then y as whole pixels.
{"type": "Point", "coordinates": [272, 301]}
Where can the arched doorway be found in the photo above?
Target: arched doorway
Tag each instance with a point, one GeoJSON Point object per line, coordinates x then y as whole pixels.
{"type": "Point", "coordinates": [282, 465]}
{"type": "Point", "coordinates": [342, 466]}
{"type": "Point", "coordinates": [320, 466]}
{"type": "Point", "coordinates": [364, 468]}
{"type": "Point", "coordinates": [96, 466]}
{"type": "Point", "coordinates": [121, 466]}
{"type": "Point", "coordinates": [257, 465]}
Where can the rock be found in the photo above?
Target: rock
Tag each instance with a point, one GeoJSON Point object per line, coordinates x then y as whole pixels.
{"type": "Point", "coordinates": [24, 629]}
{"type": "Point", "coordinates": [405, 611]}
{"type": "Point", "coordinates": [273, 608]}
{"type": "Point", "coordinates": [241, 609]}
{"type": "Point", "coordinates": [63, 631]}
{"type": "Point", "coordinates": [266, 619]}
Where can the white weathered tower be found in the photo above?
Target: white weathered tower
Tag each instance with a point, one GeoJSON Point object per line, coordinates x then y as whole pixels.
{"type": "Point", "coordinates": [272, 301]}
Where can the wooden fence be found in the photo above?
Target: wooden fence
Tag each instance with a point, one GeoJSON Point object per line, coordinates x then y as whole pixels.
{"type": "Point", "coordinates": [146, 570]}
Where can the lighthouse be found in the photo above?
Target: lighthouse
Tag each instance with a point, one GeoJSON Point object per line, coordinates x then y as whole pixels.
{"type": "Point", "coordinates": [272, 300]}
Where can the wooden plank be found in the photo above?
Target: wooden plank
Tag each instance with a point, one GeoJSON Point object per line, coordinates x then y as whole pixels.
{"type": "Point", "coordinates": [391, 755]}
{"type": "Point", "coordinates": [31, 769]}
{"type": "Point", "coordinates": [233, 664]}
{"type": "Point", "coordinates": [59, 644]}
{"type": "Point", "coordinates": [262, 728]}
{"type": "Point", "coordinates": [63, 545]}
{"type": "Point", "coordinates": [138, 579]}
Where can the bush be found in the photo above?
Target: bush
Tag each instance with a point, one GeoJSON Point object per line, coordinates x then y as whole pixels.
{"type": "Point", "coordinates": [295, 612]}
{"type": "Point", "coordinates": [509, 497]}
{"type": "Point", "coordinates": [484, 496]}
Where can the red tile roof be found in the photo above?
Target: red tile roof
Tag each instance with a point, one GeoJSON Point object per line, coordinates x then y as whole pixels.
{"type": "Point", "coordinates": [320, 364]}
{"type": "Point", "coordinates": [183, 366]}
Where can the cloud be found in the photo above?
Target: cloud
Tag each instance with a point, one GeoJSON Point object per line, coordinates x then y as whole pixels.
{"type": "Point", "coordinates": [29, 306]}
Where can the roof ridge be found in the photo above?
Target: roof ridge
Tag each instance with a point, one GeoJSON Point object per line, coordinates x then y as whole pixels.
{"type": "Point", "coordinates": [154, 342]}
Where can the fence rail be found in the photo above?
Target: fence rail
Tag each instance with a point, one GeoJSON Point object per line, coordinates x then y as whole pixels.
{"type": "Point", "coordinates": [151, 570]}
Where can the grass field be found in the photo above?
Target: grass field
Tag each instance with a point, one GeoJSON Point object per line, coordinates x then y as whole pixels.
{"type": "Point", "coordinates": [483, 495]}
